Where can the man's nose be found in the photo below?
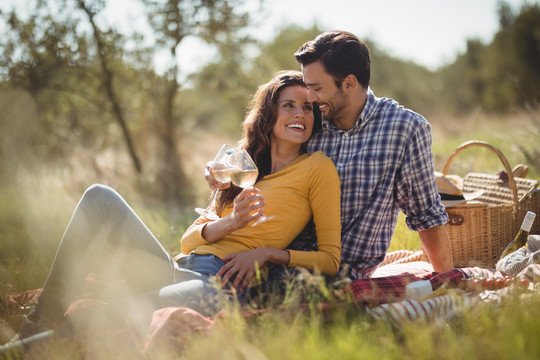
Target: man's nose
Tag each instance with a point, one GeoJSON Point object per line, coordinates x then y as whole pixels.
{"type": "Point", "coordinates": [312, 96]}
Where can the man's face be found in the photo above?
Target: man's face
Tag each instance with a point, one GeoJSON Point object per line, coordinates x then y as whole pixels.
{"type": "Point", "coordinates": [323, 90]}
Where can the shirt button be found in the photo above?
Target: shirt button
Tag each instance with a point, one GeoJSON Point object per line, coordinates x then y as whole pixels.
{"type": "Point", "coordinates": [346, 134]}
{"type": "Point", "coordinates": [340, 164]}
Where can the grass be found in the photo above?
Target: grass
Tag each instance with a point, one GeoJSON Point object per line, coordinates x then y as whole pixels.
{"type": "Point", "coordinates": [505, 332]}
{"type": "Point", "coordinates": [35, 210]}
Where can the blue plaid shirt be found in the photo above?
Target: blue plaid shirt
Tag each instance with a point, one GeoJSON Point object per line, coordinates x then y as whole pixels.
{"type": "Point", "coordinates": [385, 164]}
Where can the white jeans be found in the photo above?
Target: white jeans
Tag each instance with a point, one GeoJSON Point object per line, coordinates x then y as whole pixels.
{"type": "Point", "coordinates": [107, 238]}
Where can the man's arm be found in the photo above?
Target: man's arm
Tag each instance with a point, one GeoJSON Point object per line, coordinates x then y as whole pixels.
{"type": "Point", "coordinates": [437, 246]}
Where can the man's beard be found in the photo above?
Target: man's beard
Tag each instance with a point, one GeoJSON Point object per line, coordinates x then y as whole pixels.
{"type": "Point", "coordinates": [336, 106]}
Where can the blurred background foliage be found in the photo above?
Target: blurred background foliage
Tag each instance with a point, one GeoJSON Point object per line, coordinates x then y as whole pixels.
{"type": "Point", "coordinates": [82, 103]}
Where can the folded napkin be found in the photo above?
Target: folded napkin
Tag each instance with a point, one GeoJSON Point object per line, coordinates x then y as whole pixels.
{"type": "Point", "coordinates": [514, 263]}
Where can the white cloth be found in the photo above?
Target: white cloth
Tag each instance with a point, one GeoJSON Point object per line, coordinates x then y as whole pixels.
{"type": "Point", "coordinates": [514, 263]}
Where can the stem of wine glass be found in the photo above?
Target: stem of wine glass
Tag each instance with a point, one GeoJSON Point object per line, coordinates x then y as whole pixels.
{"type": "Point", "coordinates": [208, 212]}
{"type": "Point", "coordinates": [262, 219]}
{"type": "Point", "coordinates": [213, 202]}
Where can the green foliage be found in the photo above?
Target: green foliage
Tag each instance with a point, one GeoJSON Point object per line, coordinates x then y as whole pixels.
{"type": "Point", "coordinates": [58, 137]}
{"type": "Point", "coordinates": [230, 81]}
{"type": "Point", "coordinates": [53, 60]}
{"type": "Point", "coordinates": [410, 84]}
{"type": "Point", "coordinates": [506, 331]}
{"type": "Point", "coordinates": [501, 75]}
{"type": "Point", "coordinates": [278, 54]}
{"type": "Point", "coordinates": [525, 36]}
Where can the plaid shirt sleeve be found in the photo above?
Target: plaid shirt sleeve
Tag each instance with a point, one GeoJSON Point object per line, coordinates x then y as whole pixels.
{"type": "Point", "coordinates": [417, 192]}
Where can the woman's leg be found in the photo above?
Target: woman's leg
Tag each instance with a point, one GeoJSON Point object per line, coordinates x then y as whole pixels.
{"type": "Point", "coordinates": [200, 294]}
{"type": "Point", "coordinates": [106, 237]}
{"type": "Point", "coordinates": [203, 294]}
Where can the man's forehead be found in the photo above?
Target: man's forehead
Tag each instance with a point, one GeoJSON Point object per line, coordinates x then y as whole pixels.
{"type": "Point", "coordinates": [314, 74]}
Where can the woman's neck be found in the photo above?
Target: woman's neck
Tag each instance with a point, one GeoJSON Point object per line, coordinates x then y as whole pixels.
{"type": "Point", "coordinates": [283, 156]}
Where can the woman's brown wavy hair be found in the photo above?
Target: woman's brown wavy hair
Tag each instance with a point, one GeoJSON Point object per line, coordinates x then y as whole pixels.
{"type": "Point", "coordinates": [258, 125]}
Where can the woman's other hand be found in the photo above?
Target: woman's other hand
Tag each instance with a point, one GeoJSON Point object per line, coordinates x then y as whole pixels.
{"type": "Point", "coordinates": [213, 182]}
{"type": "Point", "coordinates": [242, 266]}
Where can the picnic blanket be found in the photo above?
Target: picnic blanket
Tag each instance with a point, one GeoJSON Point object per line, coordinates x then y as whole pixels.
{"type": "Point", "coordinates": [382, 297]}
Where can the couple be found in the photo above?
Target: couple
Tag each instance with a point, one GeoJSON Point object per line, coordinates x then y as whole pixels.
{"type": "Point", "coordinates": [382, 153]}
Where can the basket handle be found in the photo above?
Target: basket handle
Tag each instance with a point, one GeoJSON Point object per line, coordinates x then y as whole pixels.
{"type": "Point", "coordinates": [473, 143]}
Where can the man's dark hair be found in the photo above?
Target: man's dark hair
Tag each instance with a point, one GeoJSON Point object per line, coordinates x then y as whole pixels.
{"type": "Point", "coordinates": [341, 54]}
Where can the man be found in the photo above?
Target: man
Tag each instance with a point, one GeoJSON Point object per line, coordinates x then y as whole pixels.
{"type": "Point", "coordinates": [382, 152]}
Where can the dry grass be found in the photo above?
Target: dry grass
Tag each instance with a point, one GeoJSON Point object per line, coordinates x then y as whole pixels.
{"type": "Point", "coordinates": [36, 208]}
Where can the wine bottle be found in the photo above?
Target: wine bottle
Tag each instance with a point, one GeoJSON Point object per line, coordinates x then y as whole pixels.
{"type": "Point", "coordinates": [521, 238]}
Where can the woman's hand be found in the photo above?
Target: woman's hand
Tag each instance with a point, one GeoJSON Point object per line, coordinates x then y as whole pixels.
{"type": "Point", "coordinates": [211, 179]}
{"type": "Point", "coordinates": [242, 267]}
{"type": "Point", "coordinates": [247, 206]}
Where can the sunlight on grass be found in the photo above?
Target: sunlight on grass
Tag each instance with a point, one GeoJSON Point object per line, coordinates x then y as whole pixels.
{"type": "Point", "coordinates": [497, 131]}
{"type": "Point", "coordinates": [36, 209]}
{"type": "Point", "coordinates": [486, 332]}
{"type": "Point", "coordinates": [403, 237]}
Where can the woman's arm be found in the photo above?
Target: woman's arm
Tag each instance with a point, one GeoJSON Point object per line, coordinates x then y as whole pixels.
{"type": "Point", "coordinates": [326, 207]}
{"type": "Point", "coordinates": [247, 207]}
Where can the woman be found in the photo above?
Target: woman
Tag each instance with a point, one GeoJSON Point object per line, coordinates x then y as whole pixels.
{"type": "Point", "coordinates": [296, 187]}
{"type": "Point", "coordinates": [106, 237]}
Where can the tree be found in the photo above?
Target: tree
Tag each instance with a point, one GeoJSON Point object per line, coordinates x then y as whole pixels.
{"type": "Point", "coordinates": [278, 53]}
{"type": "Point", "coordinates": [45, 55]}
{"type": "Point", "coordinates": [500, 75]}
{"type": "Point", "coordinates": [231, 79]}
{"type": "Point", "coordinates": [512, 74]}
{"type": "Point", "coordinates": [214, 21]}
{"type": "Point", "coordinates": [68, 73]}
{"type": "Point", "coordinates": [525, 37]}
{"type": "Point", "coordinates": [103, 52]}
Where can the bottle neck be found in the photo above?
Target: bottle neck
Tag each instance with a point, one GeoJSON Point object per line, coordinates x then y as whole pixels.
{"type": "Point", "coordinates": [528, 221]}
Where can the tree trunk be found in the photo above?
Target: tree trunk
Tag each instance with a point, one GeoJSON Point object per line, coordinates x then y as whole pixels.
{"type": "Point", "coordinates": [111, 94]}
{"type": "Point", "coordinates": [173, 178]}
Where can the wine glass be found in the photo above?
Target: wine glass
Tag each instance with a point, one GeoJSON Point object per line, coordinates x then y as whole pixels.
{"type": "Point", "coordinates": [222, 166]}
{"type": "Point", "coordinates": [244, 174]}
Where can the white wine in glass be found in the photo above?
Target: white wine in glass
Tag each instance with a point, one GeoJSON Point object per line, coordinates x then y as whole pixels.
{"type": "Point", "coordinates": [245, 176]}
{"type": "Point", "coordinates": [244, 179]}
{"type": "Point", "coordinates": [223, 162]}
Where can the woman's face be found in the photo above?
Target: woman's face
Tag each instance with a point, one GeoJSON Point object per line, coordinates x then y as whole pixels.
{"type": "Point", "coordinates": [295, 117]}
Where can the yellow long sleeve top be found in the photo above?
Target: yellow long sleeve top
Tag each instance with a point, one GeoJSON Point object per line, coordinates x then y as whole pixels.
{"type": "Point", "coordinates": [309, 186]}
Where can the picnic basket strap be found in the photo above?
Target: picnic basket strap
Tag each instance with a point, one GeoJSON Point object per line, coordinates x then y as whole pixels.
{"type": "Point", "coordinates": [476, 143]}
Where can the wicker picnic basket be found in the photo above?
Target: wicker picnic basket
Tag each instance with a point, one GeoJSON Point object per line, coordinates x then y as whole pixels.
{"type": "Point", "coordinates": [479, 230]}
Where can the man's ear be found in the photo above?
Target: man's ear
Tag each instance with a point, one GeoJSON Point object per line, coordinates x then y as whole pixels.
{"type": "Point", "coordinates": [350, 82]}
